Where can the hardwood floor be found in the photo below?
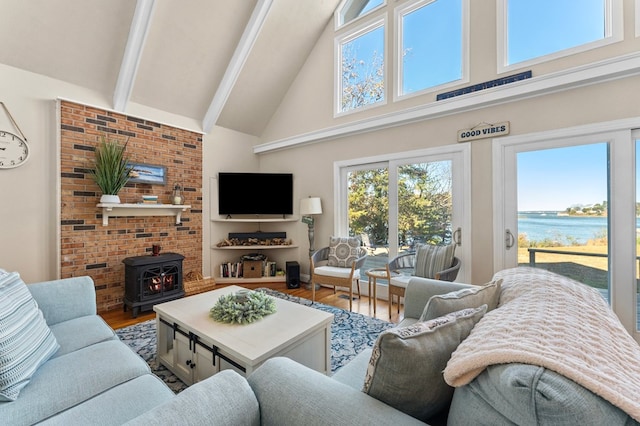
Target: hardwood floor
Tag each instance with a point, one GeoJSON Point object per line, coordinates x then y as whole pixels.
{"type": "Point", "coordinates": [118, 318]}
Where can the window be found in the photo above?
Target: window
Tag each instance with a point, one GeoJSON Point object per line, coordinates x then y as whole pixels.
{"type": "Point", "coordinates": [396, 202]}
{"type": "Point", "coordinates": [430, 44]}
{"type": "Point", "coordinates": [353, 9]}
{"type": "Point", "coordinates": [552, 28]}
{"type": "Point", "coordinates": [361, 70]}
{"type": "Point", "coordinates": [430, 49]}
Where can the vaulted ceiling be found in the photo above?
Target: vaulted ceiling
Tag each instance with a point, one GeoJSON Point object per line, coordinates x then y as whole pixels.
{"type": "Point", "coordinates": [226, 63]}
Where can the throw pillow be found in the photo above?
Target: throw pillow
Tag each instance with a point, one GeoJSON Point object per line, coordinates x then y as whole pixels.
{"type": "Point", "coordinates": [406, 365]}
{"type": "Point", "coordinates": [343, 251]}
{"type": "Point", "coordinates": [431, 259]}
{"type": "Point", "coordinates": [442, 304]}
{"type": "Point", "coordinates": [26, 341]}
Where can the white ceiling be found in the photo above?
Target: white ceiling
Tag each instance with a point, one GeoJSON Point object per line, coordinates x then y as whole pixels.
{"type": "Point", "coordinates": [230, 61]}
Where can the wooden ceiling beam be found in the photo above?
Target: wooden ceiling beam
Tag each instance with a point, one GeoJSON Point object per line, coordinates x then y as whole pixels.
{"type": "Point", "coordinates": [249, 36]}
{"type": "Point", "coordinates": [133, 52]}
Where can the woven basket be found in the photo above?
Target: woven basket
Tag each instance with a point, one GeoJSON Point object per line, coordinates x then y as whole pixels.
{"type": "Point", "coordinates": [194, 285]}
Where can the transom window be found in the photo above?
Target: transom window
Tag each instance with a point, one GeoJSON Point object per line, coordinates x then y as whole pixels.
{"type": "Point", "coordinates": [553, 28]}
{"type": "Point", "coordinates": [353, 9]}
{"type": "Point", "coordinates": [361, 71]}
{"type": "Point", "coordinates": [429, 51]}
{"type": "Point", "coordinates": [430, 47]}
{"type": "Point", "coordinates": [429, 42]}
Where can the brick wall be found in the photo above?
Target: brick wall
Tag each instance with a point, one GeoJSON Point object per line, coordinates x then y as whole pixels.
{"type": "Point", "coordinates": [88, 247]}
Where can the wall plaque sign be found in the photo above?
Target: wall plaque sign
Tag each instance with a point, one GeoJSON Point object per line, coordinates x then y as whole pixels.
{"type": "Point", "coordinates": [483, 131]}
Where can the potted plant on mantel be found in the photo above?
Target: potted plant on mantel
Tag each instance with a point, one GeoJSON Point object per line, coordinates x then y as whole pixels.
{"type": "Point", "coordinates": [111, 168]}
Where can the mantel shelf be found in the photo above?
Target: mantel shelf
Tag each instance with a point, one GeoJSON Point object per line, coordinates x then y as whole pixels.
{"type": "Point", "coordinates": [119, 210]}
{"type": "Point", "coordinates": [255, 247]}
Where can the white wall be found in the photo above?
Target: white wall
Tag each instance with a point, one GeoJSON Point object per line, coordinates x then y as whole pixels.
{"type": "Point", "coordinates": [28, 210]}
{"type": "Point", "coordinates": [225, 151]}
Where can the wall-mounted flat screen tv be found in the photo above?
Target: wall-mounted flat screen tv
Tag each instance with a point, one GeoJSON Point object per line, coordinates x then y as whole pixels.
{"type": "Point", "coordinates": [255, 193]}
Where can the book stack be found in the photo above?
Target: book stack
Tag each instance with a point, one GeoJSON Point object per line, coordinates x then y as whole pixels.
{"type": "Point", "coordinates": [149, 199]}
{"type": "Point", "coordinates": [231, 270]}
{"type": "Point", "coordinates": [269, 269]}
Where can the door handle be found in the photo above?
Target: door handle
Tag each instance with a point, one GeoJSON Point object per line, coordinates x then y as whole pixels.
{"type": "Point", "coordinates": [457, 236]}
{"type": "Point", "coordinates": [509, 239]}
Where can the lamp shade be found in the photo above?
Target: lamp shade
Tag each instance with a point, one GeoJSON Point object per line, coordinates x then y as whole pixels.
{"type": "Point", "coordinates": [311, 205]}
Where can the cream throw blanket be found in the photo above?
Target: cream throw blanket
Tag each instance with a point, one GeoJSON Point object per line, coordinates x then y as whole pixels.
{"type": "Point", "coordinates": [565, 326]}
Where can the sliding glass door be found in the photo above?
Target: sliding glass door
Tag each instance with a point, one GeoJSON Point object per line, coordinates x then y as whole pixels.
{"type": "Point", "coordinates": [396, 204]}
{"type": "Point", "coordinates": [368, 210]}
{"type": "Point", "coordinates": [425, 207]}
{"type": "Point", "coordinates": [566, 201]}
{"type": "Point", "coordinates": [636, 137]}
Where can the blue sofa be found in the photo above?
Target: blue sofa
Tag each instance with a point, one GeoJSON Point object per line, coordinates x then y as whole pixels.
{"type": "Point", "coordinates": [94, 379]}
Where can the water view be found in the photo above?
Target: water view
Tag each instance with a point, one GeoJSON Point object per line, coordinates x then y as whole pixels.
{"type": "Point", "coordinates": [568, 230]}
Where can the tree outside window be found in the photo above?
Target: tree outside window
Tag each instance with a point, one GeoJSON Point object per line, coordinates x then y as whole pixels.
{"type": "Point", "coordinates": [424, 204]}
{"type": "Point", "coordinates": [362, 70]}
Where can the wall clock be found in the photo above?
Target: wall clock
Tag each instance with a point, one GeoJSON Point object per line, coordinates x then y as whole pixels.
{"type": "Point", "coordinates": [14, 150]}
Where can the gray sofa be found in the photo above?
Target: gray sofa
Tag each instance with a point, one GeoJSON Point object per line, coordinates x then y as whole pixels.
{"type": "Point", "coordinates": [96, 379]}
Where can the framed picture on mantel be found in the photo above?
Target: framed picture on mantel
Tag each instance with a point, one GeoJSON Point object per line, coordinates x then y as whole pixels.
{"type": "Point", "coordinates": [148, 173]}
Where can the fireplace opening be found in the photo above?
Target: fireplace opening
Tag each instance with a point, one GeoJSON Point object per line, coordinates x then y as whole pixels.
{"type": "Point", "coordinates": [152, 279]}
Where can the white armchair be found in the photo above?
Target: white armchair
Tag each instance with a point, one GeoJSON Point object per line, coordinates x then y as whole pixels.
{"type": "Point", "coordinates": [336, 276]}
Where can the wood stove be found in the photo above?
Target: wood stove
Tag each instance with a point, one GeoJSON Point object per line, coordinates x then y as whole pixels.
{"type": "Point", "coordinates": [152, 279]}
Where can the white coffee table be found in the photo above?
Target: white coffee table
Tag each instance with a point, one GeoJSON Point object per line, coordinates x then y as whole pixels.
{"type": "Point", "coordinates": [194, 346]}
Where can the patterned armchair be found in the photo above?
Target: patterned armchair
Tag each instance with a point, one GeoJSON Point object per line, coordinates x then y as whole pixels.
{"type": "Point", "coordinates": [338, 265]}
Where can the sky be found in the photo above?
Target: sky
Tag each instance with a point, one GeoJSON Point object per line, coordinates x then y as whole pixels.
{"type": "Point", "coordinates": [554, 179]}
{"type": "Point", "coordinates": [567, 23]}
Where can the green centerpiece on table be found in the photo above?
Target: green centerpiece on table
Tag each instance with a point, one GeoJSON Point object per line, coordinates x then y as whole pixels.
{"type": "Point", "coordinates": [243, 307]}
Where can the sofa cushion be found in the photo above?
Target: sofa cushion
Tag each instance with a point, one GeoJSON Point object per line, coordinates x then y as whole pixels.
{"type": "Point", "coordinates": [442, 304]}
{"type": "Point", "coordinates": [354, 371]}
{"type": "Point", "coordinates": [334, 271]}
{"type": "Point", "coordinates": [74, 378]}
{"type": "Point", "coordinates": [530, 395]}
{"type": "Point", "coordinates": [222, 399]}
{"type": "Point", "coordinates": [291, 394]}
{"type": "Point", "coordinates": [431, 259]}
{"type": "Point", "coordinates": [81, 332]}
{"type": "Point", "coordinates": [118, 404]}
{"type": "Point", "coordinates": [405, 369]}
{"type": "Point", "coordinates": [401, 280]}
{"type": "Point", "coordinates": [343, 251]}
{"type": "Point", "coordinates": [26, 341]}
{"type": "Point", "coordinates": [65, 299]}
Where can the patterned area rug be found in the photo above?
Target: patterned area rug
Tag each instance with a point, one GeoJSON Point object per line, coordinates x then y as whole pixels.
{"type": "Point", "coordinates": [350, 334]}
